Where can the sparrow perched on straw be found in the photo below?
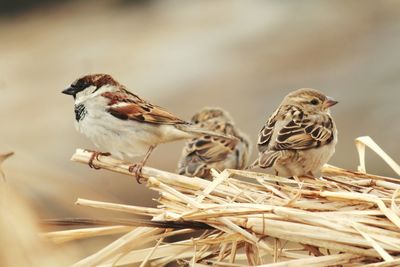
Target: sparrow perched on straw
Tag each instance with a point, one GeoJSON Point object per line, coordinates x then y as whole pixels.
{"type": "Point", "coordinates": [205, 152]}
{"type": "Point", "coordinates": [122, 123]}
{"type": "Point", "coordinates": [300, 136]}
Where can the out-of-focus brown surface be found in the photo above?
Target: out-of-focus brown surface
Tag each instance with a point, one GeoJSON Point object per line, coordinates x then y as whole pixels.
{"type": "Point", "coordinates": [19, 236]}
{"type": "Point", "coordinates": [244, 56]}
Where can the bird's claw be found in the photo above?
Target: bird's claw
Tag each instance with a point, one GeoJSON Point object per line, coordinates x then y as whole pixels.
{"type": "Point", "coordinates": [95, 155]}
{"type": "Point", "coordinates": [137, 170]}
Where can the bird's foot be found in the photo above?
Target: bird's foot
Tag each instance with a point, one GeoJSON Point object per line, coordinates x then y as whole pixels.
{"type": "Point", "coordinates": [137, 170]}
{"type": "Point", "coordinates": [95, 155]}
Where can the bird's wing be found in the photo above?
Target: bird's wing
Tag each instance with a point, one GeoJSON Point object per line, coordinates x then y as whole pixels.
{"type": "Point", "coordinates": [300, 134]}
{"type": "Point", "coordinates": [127, 106]}
{"type": "Point", "coordinates": [199, 152]}
{"type": "Point", "coordinates": [264, 137]}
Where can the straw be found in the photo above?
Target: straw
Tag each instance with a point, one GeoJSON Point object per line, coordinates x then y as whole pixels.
{"type": "Point", "coordinates": [348, 218]}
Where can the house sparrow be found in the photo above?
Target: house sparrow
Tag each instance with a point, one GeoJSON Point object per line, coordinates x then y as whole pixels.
{"type": "Point", "coordinates": [300, 136]}
{"type": "Point", "coordinates": [122, 123]}
{"type": "Point", "coordinates": [205, 152]}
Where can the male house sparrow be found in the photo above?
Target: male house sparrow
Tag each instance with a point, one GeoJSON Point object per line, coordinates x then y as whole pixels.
{"type": "Point", "coordinates": [300, 136]}
{"type": "Point", "coordinates": [205, 152]}
{"type": "Point", "coordinates": [122, 123]}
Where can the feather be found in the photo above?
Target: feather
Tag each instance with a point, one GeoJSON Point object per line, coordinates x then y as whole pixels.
{"type": "Point", "coordinates": [300, 135]}
{"type": "Point", "coordinates": [200, 152]}
{"type": "Point", "coordinates": [127, 106]}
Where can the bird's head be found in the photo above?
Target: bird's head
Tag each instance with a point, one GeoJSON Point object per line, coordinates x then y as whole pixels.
{"type": "Point", "coordinates": [207, 114]}
{"type": "Point", "coordinates": [309, 100]}
{"type": "Point", "coordinates": [88, 84]}
{"type": "Point", "coordinates": [214, 119]}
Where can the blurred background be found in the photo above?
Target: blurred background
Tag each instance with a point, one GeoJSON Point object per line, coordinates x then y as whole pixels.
{"type": "Point", "coordinates": [244, 56]}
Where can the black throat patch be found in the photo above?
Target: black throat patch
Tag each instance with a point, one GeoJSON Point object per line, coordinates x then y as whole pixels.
{"type": "Point", "coordinates": [80, 112]}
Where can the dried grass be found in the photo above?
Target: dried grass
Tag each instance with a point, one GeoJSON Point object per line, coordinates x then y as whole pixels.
{"type": "Point", "coordinates": [344, 218]}
{"type": "Point", "coordinates": [3, 157]}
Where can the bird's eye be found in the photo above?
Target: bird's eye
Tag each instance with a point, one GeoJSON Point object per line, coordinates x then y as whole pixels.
{"type": "Point", "coordinates": [81, 85]}
{"type": "Point", "coordinates": [314, 102]}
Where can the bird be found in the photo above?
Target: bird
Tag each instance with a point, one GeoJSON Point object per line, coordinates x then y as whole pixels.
{"type": "Point", "coordinates": [121, 123]}
{"type": "Point", "coordinates": [205, 152]}
{"type": "Point", "coordinates": [300, 136]}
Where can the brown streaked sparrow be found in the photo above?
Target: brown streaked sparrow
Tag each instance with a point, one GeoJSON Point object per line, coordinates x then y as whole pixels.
{"type": "Point", "coordinates": [122, 123]}
{"type": "Point", "coordinates": [205, 152]}
{"type": "Point", "coordinates": [300, 136]}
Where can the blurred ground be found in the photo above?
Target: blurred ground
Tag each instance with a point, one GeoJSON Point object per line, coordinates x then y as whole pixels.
{"type": "Point", "coordinates": [244, 56]}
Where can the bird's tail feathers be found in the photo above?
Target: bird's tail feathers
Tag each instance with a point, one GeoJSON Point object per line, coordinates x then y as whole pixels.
{"type": "Point", "coordinates": [197, 131]}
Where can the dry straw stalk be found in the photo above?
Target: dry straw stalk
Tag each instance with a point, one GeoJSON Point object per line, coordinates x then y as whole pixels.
{"type": "Point", "coordinates": [343, 218]}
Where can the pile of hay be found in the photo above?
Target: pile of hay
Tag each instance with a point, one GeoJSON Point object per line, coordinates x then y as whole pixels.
{"type": "Point", "coordinates": [343, 218]}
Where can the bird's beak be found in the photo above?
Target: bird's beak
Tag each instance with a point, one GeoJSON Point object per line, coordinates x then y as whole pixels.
{"type": "Point", "coordinates": [70, 91]}
{"type": "Point", "coordinates": [330, 102]}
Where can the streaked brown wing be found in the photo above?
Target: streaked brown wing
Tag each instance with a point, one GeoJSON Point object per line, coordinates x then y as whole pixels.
{"type": "Point", "coordinates": [210, 149]}
{"type": "Point", "coordinates": [127, 106]}
{"type": "Point", "coordinates": [200, 152]}
{"type": "Point", "coordinates": [304, 134]}
{"type": "Point", "coordinates": [264, 137]}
